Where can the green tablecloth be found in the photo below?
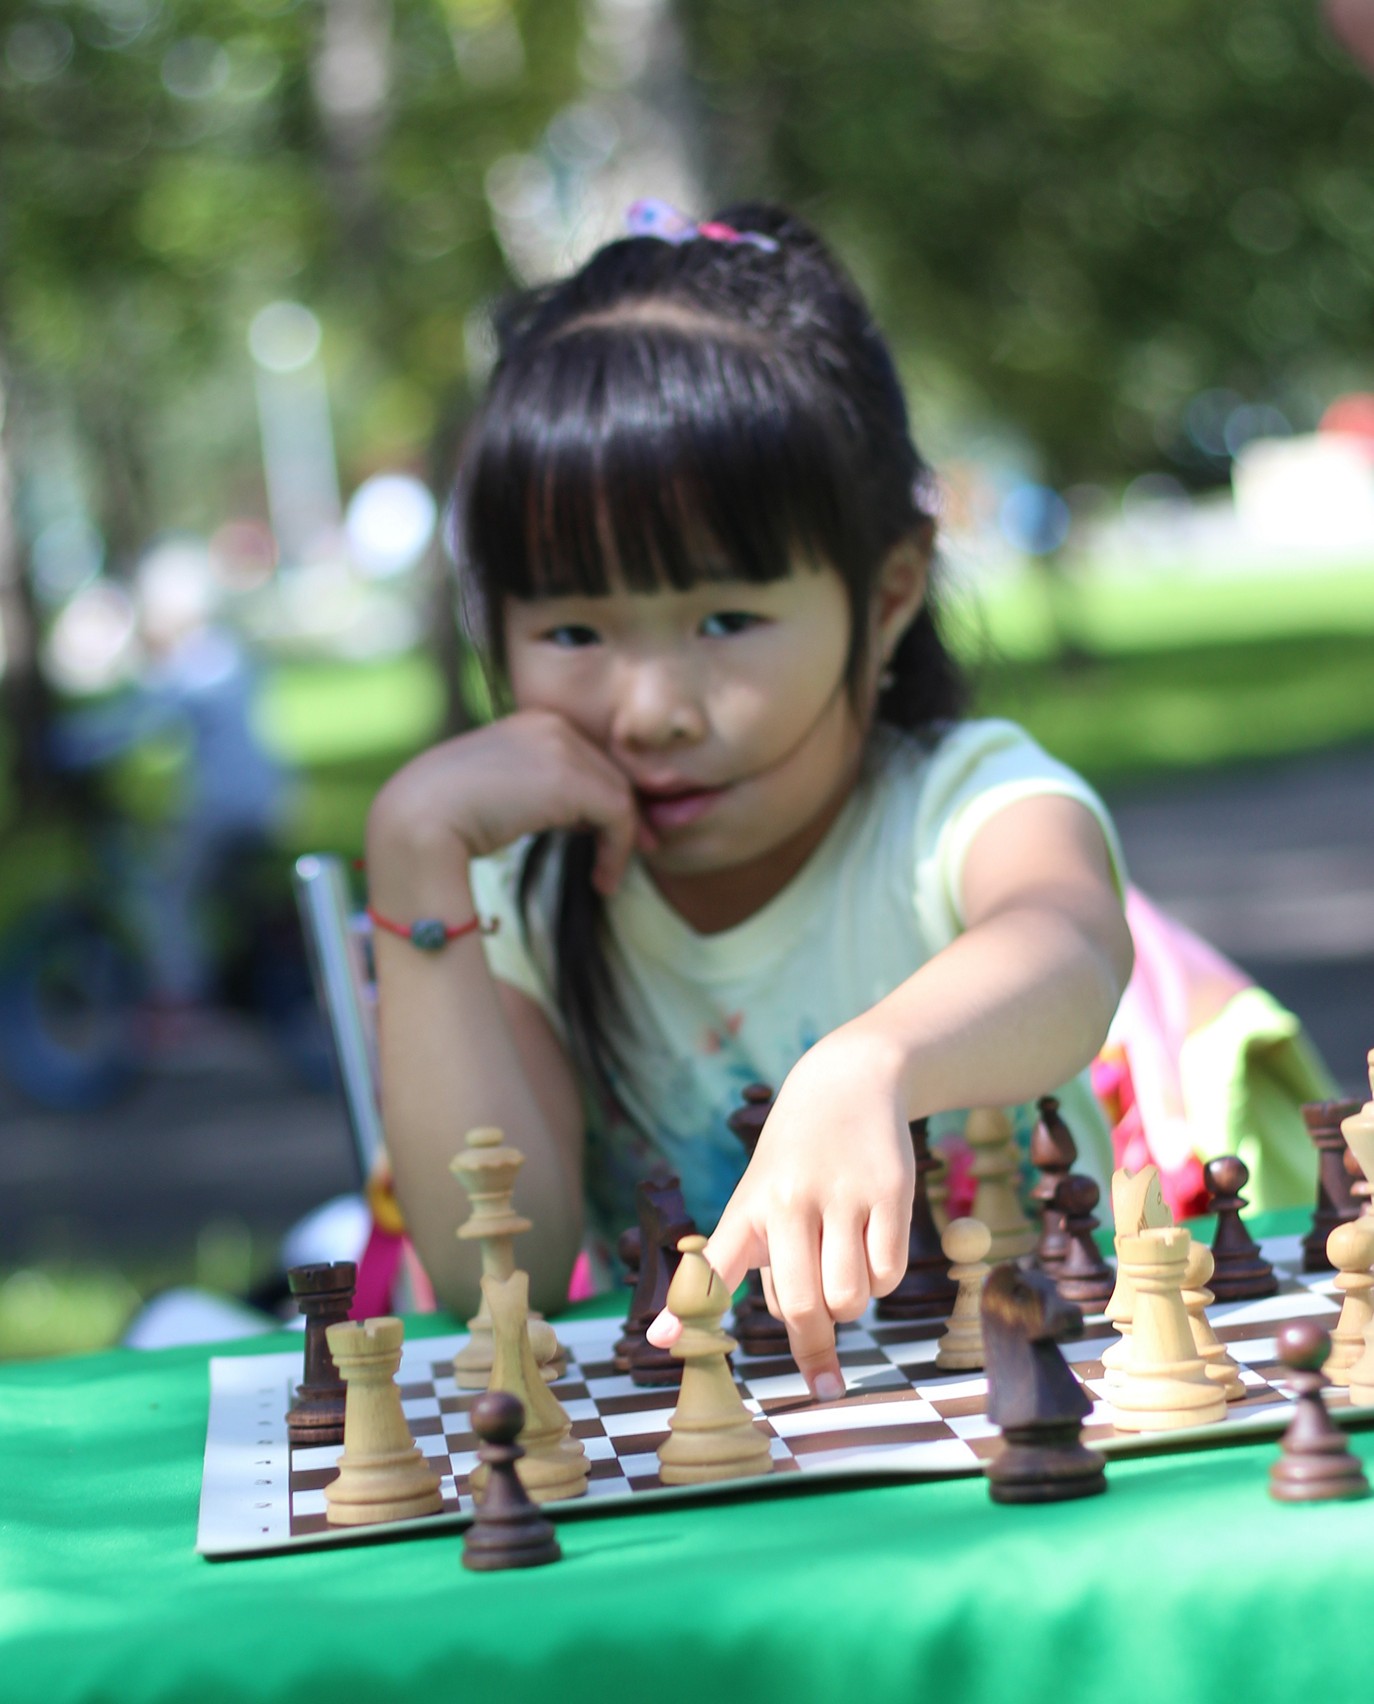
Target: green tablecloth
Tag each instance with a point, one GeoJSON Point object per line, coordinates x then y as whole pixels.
{"type": "Point", "coordinates": [1185, 1582]}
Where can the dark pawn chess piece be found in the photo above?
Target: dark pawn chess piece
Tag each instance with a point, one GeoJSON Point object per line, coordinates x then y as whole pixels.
{"type": "Point", "coordinates": [663, 1222]}
{"type": "Point", "coordinates": [1083, 1276]}
{"type": "Point", "coordinates": [1242, 1272]}
{"type": "Point", "coordinates": [324, 1295]}
{"type": "Point", "coordinates": [1315, 1463]}
{"type": "Point", "coordinates": [1033, 1395]}
{"type": "Point", "coordinates": [926, 1290]}
{"type": "Point", "coordinates": [1335, 1203]}
{"type": "Point", "coordinates": [1053, 1153]}
{"type": "Point", "coordinates": [627, 1247]}
{"type": "Point", "coordinates": [507, 1530]}
{"type": "Point", "coordinates": [756, 1329]}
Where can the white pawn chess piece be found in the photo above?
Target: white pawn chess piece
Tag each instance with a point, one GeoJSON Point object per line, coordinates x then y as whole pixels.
{"type": "Point", "coordinates": [996, 1167]}
{"type": "Point", "coordinates": [1350, 1249]}
{"type": "Point", "coordinates": [1165, 1385]}
{"type": "Point", "coordinates": [487, 1169]}
{"type": "Point", "coordinates": [965, 1243]}
{"type": "Point", "coordinates": [382, 1475]}
{"type": "Point", "coordinates": [711, 1434]}
{"type": "Point", "coordinates": [1197, 1298]}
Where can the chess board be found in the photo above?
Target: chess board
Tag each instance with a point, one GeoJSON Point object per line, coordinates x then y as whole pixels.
{"type": "Point", "coordinates": [901, 1417]}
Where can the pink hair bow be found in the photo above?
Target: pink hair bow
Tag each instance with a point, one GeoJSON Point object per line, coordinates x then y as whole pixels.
{"type": "Point", "coordinates": [650, 217]}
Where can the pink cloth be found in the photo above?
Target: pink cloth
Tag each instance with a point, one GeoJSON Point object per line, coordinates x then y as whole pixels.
{"type": "Point", "coordinates": [1179, 984]}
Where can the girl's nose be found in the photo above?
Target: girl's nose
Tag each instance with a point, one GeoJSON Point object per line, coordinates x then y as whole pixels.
{"type": "Point", "coordinates": [656, 708]}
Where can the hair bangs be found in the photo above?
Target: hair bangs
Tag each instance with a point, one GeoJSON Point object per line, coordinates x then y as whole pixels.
{"type": "Point", "coordinates": [642, 454]}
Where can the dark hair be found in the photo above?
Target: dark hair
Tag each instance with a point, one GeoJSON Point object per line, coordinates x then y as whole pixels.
{"type": "Point", "coordinates": [674, 412]}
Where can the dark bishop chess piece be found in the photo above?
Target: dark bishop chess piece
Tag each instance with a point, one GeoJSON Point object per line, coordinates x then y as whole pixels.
{"type": "Point", "coordinates": [1241, 1273]}
{"type": "Point", "coordinates": [1083, 1276]}
{"type": "Point", "coordinates": [663, 1222]}
{"type": "Point", "coordinates": [1336, 1205]}
{"type": "Point", "coordinates": [324, 1294]}
{"type": "Point", "coordinates": [1315, 1463]}
{"type": "Point", "coordinates": [508, 1530]}
{"type": "Point", "coordinates": [758, 1332]}
{"type": "Point", "coordinates": [926, 1290]}
{"type": "Point", "coordinates": [1033, 1395]}
{"type": "Point", "coordinates": [1053, 1153]}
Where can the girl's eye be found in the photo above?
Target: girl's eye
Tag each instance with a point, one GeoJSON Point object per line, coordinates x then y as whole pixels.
{"type": "Point", "coordinates": [727, 621]}
{"type": "Point", "coordinates": [572, 636]}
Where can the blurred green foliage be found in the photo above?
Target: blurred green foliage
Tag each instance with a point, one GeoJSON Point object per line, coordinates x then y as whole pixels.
{"type": "Point", "coordinates": [1075, 216]}
{"type": "Point", "coordinates": [167, 166]}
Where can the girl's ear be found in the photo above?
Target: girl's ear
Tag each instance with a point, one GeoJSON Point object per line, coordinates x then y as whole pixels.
{"type": "Point", "coordinates": [901, 588]}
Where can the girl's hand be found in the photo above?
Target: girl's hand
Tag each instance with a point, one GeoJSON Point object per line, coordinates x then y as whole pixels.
{"type": "Point", "coordinates": [825, 1206]}
{"type": "Point", "coordinates": [528, 772]}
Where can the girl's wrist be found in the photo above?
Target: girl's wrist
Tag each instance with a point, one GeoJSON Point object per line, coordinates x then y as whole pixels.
{"type": "Point", "coordinates": [417, 868]}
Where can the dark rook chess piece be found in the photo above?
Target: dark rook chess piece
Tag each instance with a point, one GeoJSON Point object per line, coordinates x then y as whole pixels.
{"type": "Point", "coordinates": [1083, 1276]}
{"type": "Point", "coordinates": [758, 1332]}
{"type": "Point", "coordinates": [663, 1222]}
{"type": "Point", "coordinates": [1242, 1272]}
{"type": "Point", "coordinates": [1315, 1464]}
{"type": "Point", "coordinates": [926, 1290]}
{"type": "Point", "coordinates": [1032, 1392]}
{"type": "Point", "coordinates": [1052, 1152]}
{"type": "Point", "coordinates": [324, 1295]}
{"type": "Point", "coordinates": [508, 1530]}
{"type": "Point", "coordinates": [1335, 1203]}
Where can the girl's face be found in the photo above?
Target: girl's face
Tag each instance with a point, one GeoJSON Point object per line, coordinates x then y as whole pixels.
{"type": "Point", "coordinates": [725, 706]}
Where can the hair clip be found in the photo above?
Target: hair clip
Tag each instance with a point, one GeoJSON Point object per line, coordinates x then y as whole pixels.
{"type": "Point", "coordinates": [651, 217]}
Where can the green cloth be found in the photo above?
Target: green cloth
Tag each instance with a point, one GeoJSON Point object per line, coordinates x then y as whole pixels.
{"type": "Point", "coordinates": [1185, 1582]}
{"type": "Point", "coordinates": [1245, 1077]}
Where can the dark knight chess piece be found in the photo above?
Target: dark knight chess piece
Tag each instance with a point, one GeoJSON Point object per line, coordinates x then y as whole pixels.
{"type": "Point", "coordinates": [1033, 1395]}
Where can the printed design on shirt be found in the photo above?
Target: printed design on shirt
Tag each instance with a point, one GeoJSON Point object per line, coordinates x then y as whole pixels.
{"type": "Point", "coordinates": [716, 1038]}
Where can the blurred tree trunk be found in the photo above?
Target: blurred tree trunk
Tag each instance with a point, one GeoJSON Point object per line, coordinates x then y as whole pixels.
{"type": "Point", "coordinates": [23, 691]}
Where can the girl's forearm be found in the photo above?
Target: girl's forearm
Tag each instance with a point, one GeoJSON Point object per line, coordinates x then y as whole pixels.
{"type": "Point", "coordinates": [1011, 1009]}
{"type": "Point", "coordinates": [449, 1059]}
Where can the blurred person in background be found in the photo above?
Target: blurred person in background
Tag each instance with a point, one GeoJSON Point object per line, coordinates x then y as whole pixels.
{"type": "Point", "coordinates": [199, 685]}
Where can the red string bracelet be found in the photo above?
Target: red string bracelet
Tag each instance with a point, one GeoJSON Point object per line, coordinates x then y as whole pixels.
{"type": "Point", "coordinates": [429, 934]}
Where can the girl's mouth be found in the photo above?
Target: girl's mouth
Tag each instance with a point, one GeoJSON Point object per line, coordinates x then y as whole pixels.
{"type": "Point", "coordinates": [665, 812]}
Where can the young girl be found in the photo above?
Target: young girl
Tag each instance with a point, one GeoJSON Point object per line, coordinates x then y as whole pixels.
{"type": "Point", "coordinates": [731, 827]}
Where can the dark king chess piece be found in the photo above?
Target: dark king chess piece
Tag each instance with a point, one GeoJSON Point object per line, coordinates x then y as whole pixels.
{"type": "Point", "coordinates": [1316, 1464]}
{"type": "Point", "coordinates": [758, 1332]}
{"type": "Point", "coordinates": [1242, 1273]}
{"type": "Point", "coordinates": [926, 1290]}
{"type": "Point", "coordinates": [1033, 1395]}
{"type": "Point", "coordinates": [627, 1247]}
{"type": "Point", "coordinates": [1052, 1153]}
{"type": "Point", "coordinates": [324, 1294]}
{"type": "Point", "coordinates": [507, 1530]}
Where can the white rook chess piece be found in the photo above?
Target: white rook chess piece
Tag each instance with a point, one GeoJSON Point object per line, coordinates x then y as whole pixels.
{"type": "Point", "coordinates": [1165, 1384]}
{"type": "Point", "coordinates": [487, 1169]}
{"type": "Point", "coordinates": [712, 1434]}
{"type": "Point", "coordinates": [382, 1475]}
{"type": "Point", "coordinates": [966, 1243]}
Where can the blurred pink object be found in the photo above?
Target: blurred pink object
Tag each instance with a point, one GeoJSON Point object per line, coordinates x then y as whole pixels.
{"type": "Point", "coordinates": [1179, 985]}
